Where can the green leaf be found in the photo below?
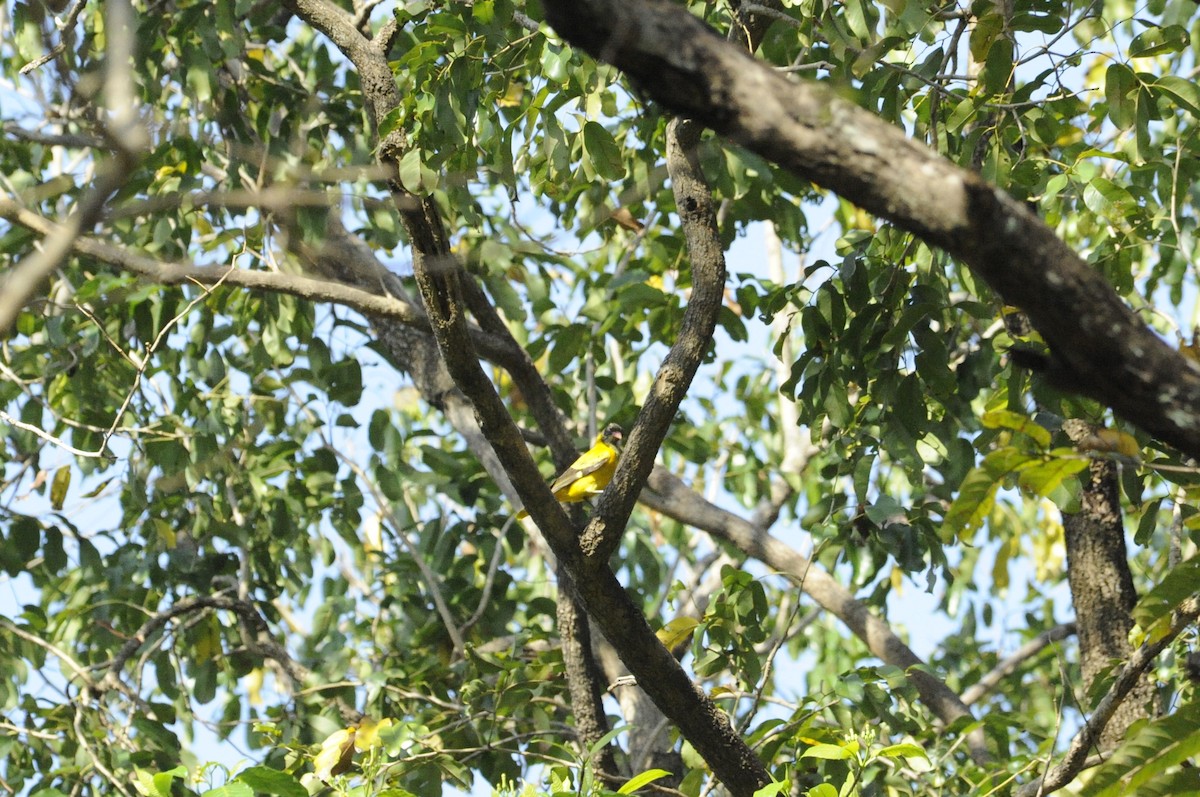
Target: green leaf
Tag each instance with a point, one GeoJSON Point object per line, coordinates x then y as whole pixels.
{"type": "Point", "coordinates": [409, 170]}
{"type": "Point", "coordinates": [1105, 198]}
{"type": "Point", "coordinates": [829, 752]}
{"type": "Point", "coordinates": [59, 486]}
{"type": "Point", "coordinates": [643, 779]}
{"type": "Point", "coordinates": [1150, 755]}
{"type": "Point", "coordinates": [1007, 419]}
{"type": "Point", "coordinates": [1147, 111]}
{"type": "Point", "coordinates": [1148, 522]}
{"type": "Point", "coordinates": [902, 750]}
{"type": "Point", "coordinates": [264, 780]}
{"type": "Point", "coordinates": [1156, 41]}
{"type": "Point", "coordinates": [998, 67]}
{"type": "Point", "coordinates": [233, 789]}
{"type": "Point", "coordinates": [1042, 477]}
{"type": "Point", "coordinates": [602, 151]}
{"type": "Point", "coordinates": [837, 404]}
{"type": "Point", "coordinates": [1178, 585]}
{"type": "Point", "coordinates": [987, 28]}
{"type": "Point", "coordinates": [26, 537]}
{"type": "Point", "coordinates": [1119, 87]}
{"type": "Point", "coordinates": [976, 496]}
{"type": "Point", "coordinates": [484, 11]}
{"type": "Point", "coordinates": [1180, 91]}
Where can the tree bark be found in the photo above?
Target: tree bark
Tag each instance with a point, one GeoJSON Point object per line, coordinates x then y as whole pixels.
{"type": "Point", "coordinates": [1101, 348]}
{"type": "Point", "coordinates": [1102, 588]}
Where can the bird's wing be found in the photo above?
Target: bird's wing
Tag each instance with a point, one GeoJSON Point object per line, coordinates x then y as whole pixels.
{"type": "Point", "coordinates": [589, 462]}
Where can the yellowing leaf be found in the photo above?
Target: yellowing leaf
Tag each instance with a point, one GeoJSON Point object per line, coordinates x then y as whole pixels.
{"type": "Point", "coordinates": [336, 753]}
{"type": "Point", "coordinates": [207, 639]}
{"type": "Point", "coordinates": [1007, 419]}
{"type": "Point", "coordinates": [373, 534]}
{"type": "Point", "coordinates": [1112, 441]}
{"type": "Point", "coordinates": [902, 750]}
{"type": "Point", "coordinates": [643, 779]}
{"type": "Point", "coordinates": [827, 751]}
{"type": "Point", "coordinates": [1000, 566]}
{"type": "Point", "coordinates": [369, 730]}
{"type": "Point", "coordinates": [512, 95]}
{"type": "Point", "coordinates": [1049, 547]}
{"type": "Point", "coordinates": [166, 532]}
{"type": "Point", "coordinates": [1043, 477]}
{"type": "Point", "coordinates": [254, 684]}
{"type": "Point", "coordinates": [677, 631]}
{"type": "Point", "coordinates": [976, 496]}
{"type": "Point", "coordinates": [1191, 351]}
{"type": "Point", "coordinates": [58, 488]}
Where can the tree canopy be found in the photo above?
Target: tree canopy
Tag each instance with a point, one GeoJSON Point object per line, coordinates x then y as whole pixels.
{"type": "Point", "coordinates": [896, 304]}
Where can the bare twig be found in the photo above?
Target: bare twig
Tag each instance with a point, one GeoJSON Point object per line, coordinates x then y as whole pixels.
{"type": "Point", "coordinates": [78, 670]}
{"type": "Point", "coordinates": [1009, 665]}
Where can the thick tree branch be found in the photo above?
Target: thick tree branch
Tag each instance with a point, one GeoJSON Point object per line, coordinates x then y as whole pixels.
{"type": "Point", "coordinates": [622, 623]}
{"type": "Point", "coordinates": [584, 678]}
{"type": "Point", "coordinates": [693, 201]}
{"type": "Point", "coordinates": [1103, 348]}
{"type": "Point", "coordinates": [1101, 582]}
{"type": "Point", "coordinates": [440, 280]}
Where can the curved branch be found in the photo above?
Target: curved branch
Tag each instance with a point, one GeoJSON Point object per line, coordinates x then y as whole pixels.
{"type": "Point", "coordinates": [129, 141]}
{"type": "Point", "coordinates": [440, 279]}
{"type": "Point", "coordinates": [1101, 346]}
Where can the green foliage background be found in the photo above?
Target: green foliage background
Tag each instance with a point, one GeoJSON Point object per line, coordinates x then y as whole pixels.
{"type": "Point", "coordinates": [163, 444]}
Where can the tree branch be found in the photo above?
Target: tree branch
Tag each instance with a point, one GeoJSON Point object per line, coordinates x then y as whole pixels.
{"type": "Point", "coordinates": [693, 202]}
{"type": "Point", "coordinates": [1008, 666]}
{"type": "Point", "coordinates": [1075, 759]}
{"type": "Point", "coordinates": [674, 499]}
{"type": "Point", "coordinates": [128, 139]}
{"type": "Point", "coordinates": [1105, 351]}
{"type": "Point", "coordinates": [442, 287]}
{"type": "Point", "coordinates": [369, 303]}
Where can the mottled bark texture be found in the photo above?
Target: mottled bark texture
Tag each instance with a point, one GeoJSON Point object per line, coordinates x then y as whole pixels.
{"type": "Point", "coordinates": [1102, 588]}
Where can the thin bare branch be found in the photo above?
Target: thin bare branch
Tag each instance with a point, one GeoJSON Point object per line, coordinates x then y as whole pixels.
{"type": "Point", "coordinates": [1009, 665]}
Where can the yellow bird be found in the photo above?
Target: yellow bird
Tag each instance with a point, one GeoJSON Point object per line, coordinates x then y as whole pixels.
{"type": "Point", "coordinates": [591, 473]}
